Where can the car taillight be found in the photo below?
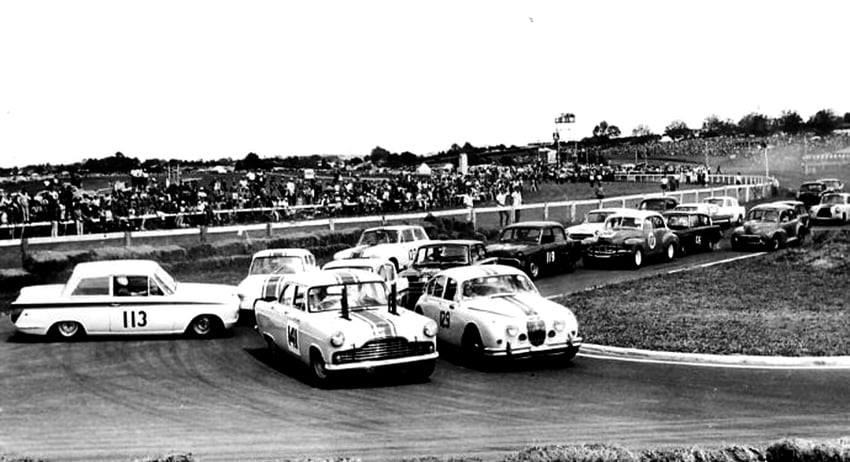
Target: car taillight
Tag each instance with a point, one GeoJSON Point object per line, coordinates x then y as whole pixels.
{"type": "Point", "coordinates": [15, 314]}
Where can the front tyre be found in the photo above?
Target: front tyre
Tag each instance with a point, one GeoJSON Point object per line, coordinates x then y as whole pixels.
{"type": "Point", "coordinates": [569, 354]}
{"type": "Point", "coordinates": [472, 347]}
{"type": "Point", "coordinates": [670, 252]}
{"type": "Point", "coordinates": [422, 370]}
{"type": "Point", "coordinates": [637, 258]}
{"type": "Point", "coordinates": [319, 373]}
{"type": "Point", "coordinates": [67, 330]}
{"type": "Point", "coordinates": [533, 270]}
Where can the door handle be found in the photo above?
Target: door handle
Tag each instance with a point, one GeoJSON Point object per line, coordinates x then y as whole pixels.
{"type": "Point", "coordinates": [451, 306]}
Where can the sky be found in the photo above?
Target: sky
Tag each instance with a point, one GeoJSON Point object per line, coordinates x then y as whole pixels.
{"type": "Point", "coordinates": [211, 79]}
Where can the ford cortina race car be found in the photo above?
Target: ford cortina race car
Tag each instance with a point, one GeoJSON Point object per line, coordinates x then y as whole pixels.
{"type": "Point", "coordinates": [124, 297]}
{"type": "Point", "coordinates": [345, 320]}
{"type": "Point", "coordinates": [495, 311]}
{"type": "Point", "coordinates": [631, 236]}
{"type": "Point", "coordinates": [397, 243]}
{"type": "Point", "coordinates": [436, 256]}
{"type": "Point", "coordinates": [832, 207]}
{"type": "Point", "coordinates": [769, 225]}
{"type": "Point", "coordinates": [535, 247]}
{"type": "Point", "coordinates": [272, 261]}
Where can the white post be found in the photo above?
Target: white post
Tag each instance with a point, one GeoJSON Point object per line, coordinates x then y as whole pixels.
{"type": "Point", "coordinates": [572, 212]}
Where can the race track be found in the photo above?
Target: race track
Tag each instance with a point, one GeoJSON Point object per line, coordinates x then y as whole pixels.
{"type": "Point", "coordinates": [224, 399]}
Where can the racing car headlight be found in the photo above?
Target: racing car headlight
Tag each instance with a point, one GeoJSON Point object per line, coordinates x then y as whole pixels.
{"type": "Point", "coordinates": [512, 331]}
{"type": "Point", "coordinates": [337, 339]}
{"type": "Point", "coordinates": [560, 325]}
{"type": "Point", "coordinates": [430, 329]}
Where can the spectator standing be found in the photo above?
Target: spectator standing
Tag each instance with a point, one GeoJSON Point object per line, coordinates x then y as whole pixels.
{"type": "Point", "coordinates": [502, 202]}
{"type": "Point", "coordinates": [516, 202]}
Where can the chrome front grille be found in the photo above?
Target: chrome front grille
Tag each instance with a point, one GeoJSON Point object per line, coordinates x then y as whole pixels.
{"type": "Point", "coordinates": [536, 332]}
{"type": "Point", "coordinates": [385, 348]}
{"type": "Point", "coordinates": [824, 213]}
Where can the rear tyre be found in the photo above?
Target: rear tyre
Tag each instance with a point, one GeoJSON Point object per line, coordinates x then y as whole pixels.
{"type": "Point", "coordinates": [637, 258]}
{"type": "Point", "coordinates": [204, 326]}
{"type": "Point", "coordinates": [67, 330]}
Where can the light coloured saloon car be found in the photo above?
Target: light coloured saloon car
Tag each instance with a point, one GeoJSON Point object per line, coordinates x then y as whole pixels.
{"type": "Point", "coordinates": [496, 311]}
{"type": "Point", "coordinates": [124, 297]}
{"type": "Point", "coordinates": [397, 243]}
{"type": "Point", "coordinates": [833, 206]}
{"type": "Point", "coordinates": [594, 222]}
{"type": "Point", "coordinates": [278, 262]}
{"type": "Point", "coordinates": [383, 268]}
{"type": "Point", "coordinates": [344, 320]}
{"type": "Point", "coordinates": [728, 210]}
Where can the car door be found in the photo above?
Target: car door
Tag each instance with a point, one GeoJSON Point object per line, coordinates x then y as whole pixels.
{"type": "Point", "coordinates": [292, 318]}
{"type": "Point", "coordinates": [431, 302]}
{"type": "Point", "coordinates": [91, 305]}
{"type": "Point", "coordinates": [451, 319]}
{"type": "Point", "coordinates": [135, 311]}
{"type": "Point", "coordinates": [548, 254]}
{"type": "Point", "coordinates": [651, 236]}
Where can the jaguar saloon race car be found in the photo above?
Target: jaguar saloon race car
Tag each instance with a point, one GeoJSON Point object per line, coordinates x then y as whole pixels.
{"type": "Point", "coordinates": [396, 243]}
{"type": "Point", "coordinates": [346, 320]}
{"type": "Point", "coordinates": [695, 230]}
{"type": "Point", "coordinates": [594, 221]}
{"type": "Point", "coordinates": [832, 207]}
{"type": "Point", "coordinates": [496, 311]}
{"type": "Point", "coordinates": [436, 256]}
{"type": "Point", "coordinates": [122, 297]}
{"type": "Point", "coordinates": [771, 226]}
{"type": "Point", "coordinates": [383, 268]}
{"type": "Point", "coordinates": [267, 262]}
{"type": "Point", "coordinates": [631, 236]}
{"type": "Point", "coordinates": [535, 247]}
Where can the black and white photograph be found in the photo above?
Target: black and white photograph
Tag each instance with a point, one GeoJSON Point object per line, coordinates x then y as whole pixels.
{"type": "Point", "coordinates": [424, 231]}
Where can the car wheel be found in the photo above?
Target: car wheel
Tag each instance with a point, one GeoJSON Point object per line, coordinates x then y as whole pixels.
{"type": "Point", "coordinates": [318, 370]}
{"type": "Point", "coordinates": [533, 270]}
{"type": "Point", "coordinates": [589, 262]}
{"type": "Point", "coordinates": [421, 370]}
{"type": "Point", "coordinates": [68, 330]}
{"type": "Point", "coordinates": [274, 351]}
{"type": "Point", "coordinates": [204, 326]}
{"type": "Point", "coordinates": [637, 258]}
{"type": "Point", "coordinates": [570, 354]}
{"type": "Point", "coordinates": [801, 235]}
{"type": "Point", "coordinates": [670, 252]}
{"type": "Point", "coordinates": [471, 344]}
{"type": "Point", "coordinates": [774, 243]}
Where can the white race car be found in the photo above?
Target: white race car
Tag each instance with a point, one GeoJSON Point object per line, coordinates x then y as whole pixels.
{"type": "Point", "coordinates": [383, 268]}
{"type": "Point", "coordinates": [397, 244]}
{"type": "Point", "coordinates": [344, 320]}
{"type": "Point", "coordinates": [832, 207]}
{"type": "Point", "coordinates": [594, 222]}
{"type": "Point", "coordinates": [728, 210]}
{"type": "Point", "coordinates": [272, 261]}
{"type": "Point", "coordinates": [496, 311]}
{"type": "Point", "coordinates": [124, 297]}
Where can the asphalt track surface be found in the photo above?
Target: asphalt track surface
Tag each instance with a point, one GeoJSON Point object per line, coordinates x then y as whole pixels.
{"type": "Point", "coordinates": [116, 399]}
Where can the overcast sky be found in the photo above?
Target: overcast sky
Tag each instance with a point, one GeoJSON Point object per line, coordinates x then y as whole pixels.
{"type": "Point", "coordinates": [192, 79]}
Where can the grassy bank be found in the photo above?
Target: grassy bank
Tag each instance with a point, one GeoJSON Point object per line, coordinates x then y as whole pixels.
{"type": "Point", "coordinates": [791, 303]}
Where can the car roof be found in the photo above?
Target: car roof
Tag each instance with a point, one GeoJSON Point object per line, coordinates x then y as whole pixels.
{"type": "Point", "coordinates": [698, 205]}
{"type": "Point", "coordinates": [660, 198]}
{"type": "Point", "coordinates": [288, 252]}
{"type": "Point", "coordinates": [772, 206]}
{"type": "Point", "coordinates": [109, 267]}
{"type": "Point", "coordinates": [685, 212]}
{"type": "Point", "coordinates": [462, 273]}
{"type": "Point", "coordinates": [791, 203]}
{"type": "Point", "coordinates": [373, 263]}
{"type": "Point", "coordinates": [609, 210]}
{"type": "Point", "coordinates": [534, 224]}
{"type": "Point", "coordinates": [334, 277]}
{"type": "Point", "coordinates": [634, 213]}
{"type": "Point", "coordinates": [820, 182]}
{"type": "Point", "coordinates": [824, 180]}
{"type": "Point", "coordinates": [451, 242]}
{"type": "Point", "coordinates": [392, 227]}
{"type": "Point", "coordinates": [705, 199]}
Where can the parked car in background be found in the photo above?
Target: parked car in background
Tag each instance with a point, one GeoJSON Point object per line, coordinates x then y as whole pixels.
{"type": "Point", "coordinates": [280, 262]}
{"type": "Point", "coordinates": [632, 237]}
{"type": "Point", "coordinates": [771, 226]}
{"type": "Point", "coordinates": [833, 206]}
{"type": "Point", "coordinates": [594, 221]}
{"type": "Point", "coordinates": [695, 230]}
{"type": "Point", "coordinates": [535, 247]}
{"type": "Point", "coordinates": [435, 256]}
{"type": "Point", "coordinates": [809, 192]}
{"type": "Point", "coordinates": [496, 311]}
{"type": "Point", "coordinates": [658, 204]}
{"type": "Point", "coordinates": [802, 211]}
{"type": "Point", "coordinates": [832, 184]}
{"type": "Point", "coordinates": [397, 243]}
{"type": "Point", "coordinates": [385, 269]}
{"type": "Point", "coordinates": [344, 320]}
{"type": "Point", "coordinates": [728, 210]}
{"type": "Point", "coordinates": [123, 297]}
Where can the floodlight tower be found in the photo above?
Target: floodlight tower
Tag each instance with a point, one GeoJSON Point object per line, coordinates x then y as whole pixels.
{"type": "Point", "coordinates": [566, 118]}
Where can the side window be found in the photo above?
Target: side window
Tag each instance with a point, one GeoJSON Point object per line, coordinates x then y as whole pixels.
{"type": "Point", "coordinates": [407, 235]}
{"type": "Point", "coordinates": [560, 236]}
{"type": "Point", "coordinates": [154, 288]}
{"type": "Point", "coordinates": [92, 286]}
{"type": "Point", "coordinates": [658, 222]}
{"type": "Point", "coordinates": [478, 253]}
{"type": "Point", "coordinates": [130, 286]}
{"type": "Point", "coordinates": [439, 284]}
{"type": "Point", "coordinates": [548, 236]}
{"type": "Point", "coordinates": [451, 289]}
{"type": "Point", "coordinates": [783, 217]}
{"type": "Point", "coordinates": [387, 272]}
{"type": "Point", "coordinates": [420, 234]}
{"type": "Point", "coordinates": [286, 295]}
{"type": "Point", "coordinates": [298, 299]}
{"type": "Point", "coordinates": [429, 289]}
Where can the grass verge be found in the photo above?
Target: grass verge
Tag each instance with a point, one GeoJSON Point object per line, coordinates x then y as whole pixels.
{"type": "Point", "coordinates": [790, 303]}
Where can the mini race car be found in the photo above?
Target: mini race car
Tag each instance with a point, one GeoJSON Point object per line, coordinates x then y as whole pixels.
{"type": "Point", "coordinates": [123, 297]}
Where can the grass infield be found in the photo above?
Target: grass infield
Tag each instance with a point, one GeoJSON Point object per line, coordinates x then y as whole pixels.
{"type": "Point", "coordinates": [791, 303]}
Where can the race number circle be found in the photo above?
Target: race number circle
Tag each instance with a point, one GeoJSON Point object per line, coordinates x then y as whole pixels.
{"type": "Point", "coordinates": [651, 241]}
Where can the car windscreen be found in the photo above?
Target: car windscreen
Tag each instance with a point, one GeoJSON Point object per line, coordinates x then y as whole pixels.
{"type": "Point", "coordinates": [596, 217]}
{"type": "Point", "coordinates": [520, 234]}
{"type": "Point", "coordinates": [347, 267]}
{"type": "Point", "coordinates": [763, 215]}
{"type": "Point", "coordinates": [832, 184]}
{"type": "Point", "coordinates": [360, 296]}
{"type": "Point", "coordinates": [717, 202]}
{"type": "Point", "coordinates": [657, 205]}
{"type": "Point", "coordinates": [682, 221]}
{"type": "Point", "coordinates": [165, 281]}
{"type": "Point", "coordinates": [276, 264]}
{"type": "Point", "coordinates": [505, 284]}
{"type": "Point", "coordinates": [378, 236]}
{"type": "Point", "coordinates": [622, 222]}
{"type": "Point", "coordinates": [438, 255]}
{"type": "Point", "coordinates": [832, 199]}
